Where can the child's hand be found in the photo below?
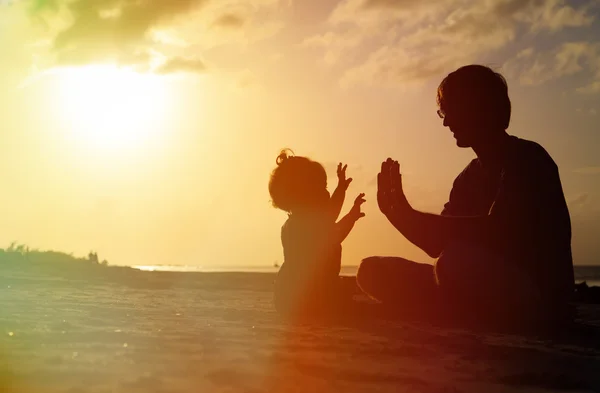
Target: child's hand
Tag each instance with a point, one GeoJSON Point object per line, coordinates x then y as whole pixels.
{"type": "Point", "coordinates": [355, 211]}
{"type": "Point", "coordinates": [343, 183]}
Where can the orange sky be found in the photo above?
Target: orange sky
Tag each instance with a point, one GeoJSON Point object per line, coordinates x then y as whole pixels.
{"type": "Point", "coordinates": [147, 130]}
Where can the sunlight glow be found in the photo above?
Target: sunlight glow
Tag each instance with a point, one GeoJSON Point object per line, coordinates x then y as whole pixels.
{"type": "Point", "coordinates": [108, 108]}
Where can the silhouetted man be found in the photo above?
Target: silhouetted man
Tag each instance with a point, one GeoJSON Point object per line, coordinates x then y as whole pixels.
{"type": "Point", "coordinates": [503, 240]}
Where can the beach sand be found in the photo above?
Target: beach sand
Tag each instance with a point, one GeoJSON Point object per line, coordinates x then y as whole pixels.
{"type": "Point", "coordinates": [202, 332]}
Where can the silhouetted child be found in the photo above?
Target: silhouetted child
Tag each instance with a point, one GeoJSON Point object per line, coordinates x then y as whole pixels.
{"type": "Point", "coordinates": [308, 281]}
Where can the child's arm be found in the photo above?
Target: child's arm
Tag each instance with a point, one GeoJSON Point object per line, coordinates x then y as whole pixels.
{"type": "Point", "coordinates": [338, 196]}
{"type": "Point", "coordinates": [345, 225]}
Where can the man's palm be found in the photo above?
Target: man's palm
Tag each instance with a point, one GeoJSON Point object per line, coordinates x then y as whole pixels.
{"type": "Point", "coordinates": [390, 194]}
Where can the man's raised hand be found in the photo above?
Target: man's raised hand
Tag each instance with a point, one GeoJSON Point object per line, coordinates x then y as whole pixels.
{"type": "Point", "coordinates": [397, 191]}
{"type": "Point", "coordinates": [384, 188]}
{"type": "Point", "coordinates": [390, 193]}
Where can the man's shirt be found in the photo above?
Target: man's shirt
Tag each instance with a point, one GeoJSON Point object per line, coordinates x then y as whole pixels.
{"type": "Point", "coordinates": [526, 203]}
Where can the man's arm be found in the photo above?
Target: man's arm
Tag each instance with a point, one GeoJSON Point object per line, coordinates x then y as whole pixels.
{"type": "Point", "coordinates": [509, 219]}
{"type": "Point", "coordinates": [431, 232]}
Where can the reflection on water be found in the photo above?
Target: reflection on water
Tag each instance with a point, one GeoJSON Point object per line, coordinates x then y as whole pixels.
{"type": "Point", "coordinates": [207, 269]}
{"type": "Point", "coordinates": [590, 274]}
{"type": "Point", "coordinates": [346, 270]}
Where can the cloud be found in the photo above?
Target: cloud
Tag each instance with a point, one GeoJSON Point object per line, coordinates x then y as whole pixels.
{"type": "Point", "coordinates": [397, 67]}
{"type": "Point", "coordinates": [275, 57]}
{"type": "Point", "coordinates": [109, 28]}
{"type": "Point", "coordinates": [230, 21]}
{"type": "Point", "coordinates": [584, 206]}
{"type": "Point", "coordinates": [534, 68]}
{"type": "Point", "coordinates": [590, 111]}
{"type": "Point", "coordinates": [551, 15]}
{"type": "Point", "coordinates": [351, 171]}
{"type": "Point", "coordinates": [334, 44]}
{"type": "Point", "coordinates": [590, 170]}
{"type": "Point", "coordinates": [372, 182]}
{"type": "Point", "coordinates": [246, 79]}
{"type": "Point", "coordinates": [374, 12]}
{"type": "Point", "coordinates": [404, 42]}
{"type": "Point", "coordinates": [592, 88]}
{"type": "Point", "coordinates": [181, 64]}
{"type": "Point", "coordinates": [99, 31]}
{"type": "Point", "coordinates": [579, 200]}
{"type": "Point", "coordinates": [168, 37]}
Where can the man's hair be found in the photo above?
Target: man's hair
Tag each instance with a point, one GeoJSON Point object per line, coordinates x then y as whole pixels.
{"type": "Point", "coordinates": [478, 88]}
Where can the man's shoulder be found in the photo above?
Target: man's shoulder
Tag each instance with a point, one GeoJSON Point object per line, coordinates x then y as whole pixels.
{"type": "Point", "coordinates": [526, 154]}
{"type": "Point", "coordinates": [470, 170]}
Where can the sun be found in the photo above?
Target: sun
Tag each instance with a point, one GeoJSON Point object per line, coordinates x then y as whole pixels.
{"type": "Point", "coordinates": [109, 108]}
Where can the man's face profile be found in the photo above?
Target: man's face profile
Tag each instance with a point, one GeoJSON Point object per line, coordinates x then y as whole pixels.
{"type": "Point", "coordinates": [463, 122]}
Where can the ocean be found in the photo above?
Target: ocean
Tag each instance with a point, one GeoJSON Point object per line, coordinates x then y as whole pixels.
{"type": "Point", "coordinates": [589, 274]}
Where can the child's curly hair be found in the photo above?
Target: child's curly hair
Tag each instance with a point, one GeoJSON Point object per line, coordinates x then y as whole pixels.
{"type": "Point", "coordinates": [295, 181]}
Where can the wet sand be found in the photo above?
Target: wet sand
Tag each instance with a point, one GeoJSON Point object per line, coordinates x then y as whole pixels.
{"type": "Point", "coordinates": [203, 332]}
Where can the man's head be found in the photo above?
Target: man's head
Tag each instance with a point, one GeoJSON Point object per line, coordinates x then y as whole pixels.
{"type": "Point", "coordinates": [474, 103]}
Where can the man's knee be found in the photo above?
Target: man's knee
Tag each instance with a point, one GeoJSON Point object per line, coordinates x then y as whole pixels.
{"type": "Point", "coordinates": [462, 264]}
{"type": "Point", "coordinates": [368, 270]}
{"type": "Point", "coordinates": [473, 271]}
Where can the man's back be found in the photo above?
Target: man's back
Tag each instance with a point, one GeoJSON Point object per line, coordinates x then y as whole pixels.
{"type": "Point", "coordinates": [525, 199]}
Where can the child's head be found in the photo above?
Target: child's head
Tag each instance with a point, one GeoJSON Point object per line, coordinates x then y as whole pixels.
{"type": "Point", "coordinates": [298, 183]}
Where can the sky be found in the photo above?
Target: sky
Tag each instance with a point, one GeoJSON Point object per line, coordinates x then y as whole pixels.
{"type": "Point", "coordinates": [147, 130]}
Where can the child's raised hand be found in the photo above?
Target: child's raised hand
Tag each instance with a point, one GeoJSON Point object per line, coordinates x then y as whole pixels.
{"type": "Point", "coordinates": [341, 174]}
{"type": "Point", "coordinates": [355, 211]}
